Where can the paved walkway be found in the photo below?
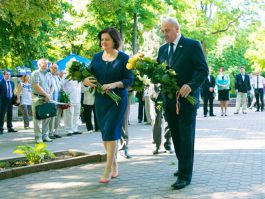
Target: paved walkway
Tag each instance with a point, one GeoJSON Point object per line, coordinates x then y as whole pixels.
{"type": "Point", "coordinates": [229, 163]}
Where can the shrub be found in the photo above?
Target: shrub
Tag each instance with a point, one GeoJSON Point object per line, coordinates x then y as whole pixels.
{"type": "Point", "coordinates": [34, 155]}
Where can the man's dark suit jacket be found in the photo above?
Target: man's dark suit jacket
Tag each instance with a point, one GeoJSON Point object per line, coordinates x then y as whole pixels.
{"type": "Point", "coordinates": [189, 63]}
{"type": "Point", "coordinates": [3, 90]}
{"type": "Point", "coordinates": [206, 85]}
{"type": "Point", "coordinates": [242, 86]}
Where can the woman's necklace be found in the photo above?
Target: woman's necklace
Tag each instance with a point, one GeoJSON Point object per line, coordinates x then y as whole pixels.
{"type": "Point", "coordinates": [109, 57]}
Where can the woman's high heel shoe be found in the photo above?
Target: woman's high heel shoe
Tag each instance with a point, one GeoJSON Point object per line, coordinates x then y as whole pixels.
{"type": "Point", "coordinates": [114, 174]}
{"type": "Point", "coordinates": [104, 180]}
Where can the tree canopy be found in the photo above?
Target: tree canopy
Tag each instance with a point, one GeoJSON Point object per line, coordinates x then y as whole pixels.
{"type": "Point", "coordinates": [231, 32]}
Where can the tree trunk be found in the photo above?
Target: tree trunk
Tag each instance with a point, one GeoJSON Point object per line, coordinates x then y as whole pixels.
{"type": "Point", "coordinates": [204, 48]}
{"type": "Point", "coordinates": [121, 34]}
{"type": "Point", "coordinates": [134, 44]}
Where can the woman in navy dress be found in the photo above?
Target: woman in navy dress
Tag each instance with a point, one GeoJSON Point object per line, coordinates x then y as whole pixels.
{"type": "Point", "coordinates": [110, 70]}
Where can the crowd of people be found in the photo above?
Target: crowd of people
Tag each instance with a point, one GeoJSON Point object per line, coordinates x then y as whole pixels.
{"type": "Point", "coordinates": [45, 85]}
{"type": "Point", "coordinates": [181, 54]}
{"type": "Point", "coordinates": [249, 90]}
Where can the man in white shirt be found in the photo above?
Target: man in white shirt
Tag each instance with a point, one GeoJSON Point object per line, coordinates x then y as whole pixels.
{"type": "Point", "coordinates": [42, 89]}
{"type": "Point", "coordinates": [71, 115]}
{"type": "Point", "coordinates": [258, 84]}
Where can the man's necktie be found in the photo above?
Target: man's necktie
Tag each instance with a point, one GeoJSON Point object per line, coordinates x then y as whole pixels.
{"type": "Point", "coordinates": [8, 90]}
{"type": "Point", "coordinates": [171, 54]}
{"type": "Point", "coordinates": [257, 81]}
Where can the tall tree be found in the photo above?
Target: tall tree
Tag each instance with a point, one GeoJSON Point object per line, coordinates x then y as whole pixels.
{"type": "Point", "coordinates": [19, 26]}
{"type": "Point", "coordinates": [130, 18]}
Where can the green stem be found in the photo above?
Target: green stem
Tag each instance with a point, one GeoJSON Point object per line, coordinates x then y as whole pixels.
{"type": "Point", "coordinates": [111, 94]}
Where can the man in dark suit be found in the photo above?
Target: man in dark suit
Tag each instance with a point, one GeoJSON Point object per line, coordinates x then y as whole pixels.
{"type": "Point", "coordinates": [242, 87]}
{"type": "Point", "coordinates": [207, 93]}
{"type": "Point", "coordinates": [186, 57]}
{"type": "Point", "coordinates": [6, 94]}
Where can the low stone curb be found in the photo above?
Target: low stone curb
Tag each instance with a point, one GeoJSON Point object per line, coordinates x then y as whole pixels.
{"type": "Point", "coordinates": [84, 158]}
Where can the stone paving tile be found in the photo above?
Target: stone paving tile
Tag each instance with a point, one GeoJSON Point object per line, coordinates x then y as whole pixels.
{"type": "Point", "coordinates": [229, 164]}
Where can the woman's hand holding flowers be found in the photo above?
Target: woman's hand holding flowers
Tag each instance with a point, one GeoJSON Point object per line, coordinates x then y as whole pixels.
{"type": "Point", "coordinates": [107, 87]}
{"type": "Point", "coordinates": [79, 72]}
{"type": "Point", "coordinates": [90, 81]}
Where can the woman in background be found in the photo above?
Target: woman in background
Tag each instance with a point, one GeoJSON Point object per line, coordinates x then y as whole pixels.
{"type": "Point", "coordinates": [223, 85]}
{"type": "Point", "coordinates": [24, 98]}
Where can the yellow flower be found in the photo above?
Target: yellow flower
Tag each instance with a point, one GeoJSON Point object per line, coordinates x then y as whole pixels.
{"type": "Point", "coordinates": [130, 66]}
{"type": "Point", "coordinates": [132, 61]}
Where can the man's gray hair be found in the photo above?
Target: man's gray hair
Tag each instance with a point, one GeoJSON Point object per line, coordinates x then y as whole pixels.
{"type": "Point", "coordinates": [171, 20]}
{"type": "Point", "coordinates": [41, 60]}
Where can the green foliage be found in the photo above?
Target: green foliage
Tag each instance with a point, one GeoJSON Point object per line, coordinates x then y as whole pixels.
{"type": "Point", "coordinates": [78, 71]}
{"type": "Point", "coordinates": [64, 97]}
{"type": "Point", "coordinates": [255, 52]}
{"type": "Point", "coordinates": [119, 14]}
{"type": "Point", "coordinates": [34, 155]}
{"type": "Point", "coordinates": [19, 24]}
{"type": "Point", "coordinates": [158, 74]}
{"type": "Point", "coordinates": [4, 164]}
{"type": "Point", "coordinates": [138, 84]}
{"type": "Point", "coordinates": [30, 29]}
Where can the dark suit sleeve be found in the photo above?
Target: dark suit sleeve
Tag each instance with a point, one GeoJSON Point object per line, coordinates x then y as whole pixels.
{"type": "Point", "coordinates": [213, 80]}
{"type": "Point", "coordinates": [205, 86]}
{"type": "Point", "coordinates": [248, 83]}
{"type": "Point", "coordinates": [1, 88]}
{"type": "Point", "coordinates": [236, 82]}
{"type": "Point", "coordinates": [200, 66]}
{"type": "Point", "coordinates": [159, 57]}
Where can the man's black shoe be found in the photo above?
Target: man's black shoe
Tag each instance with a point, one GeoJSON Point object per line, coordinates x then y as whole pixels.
{"type": "Point", "coordinates": [52, 137]}
{"type": "Point", "coordinates": [139, 121]}
{"type": "Point", "coordinates": [212, 115]}
{"type": "Point", "coordinates": [12, 130]}
{"type": "Point", "coordinates": [205, 115]}
{"type": "Point", "coordinates": [167, 145]}
{"type": "Point", "coordinates": [156, 151]}
{"type": "Point", "coordinates": [57, 136]}
{"type": "Point", "coordinates": [77, 133]}
{"type": "Point", "coordinates": [180, 184]}
{"type": "Point", "coordinates": [176, 173]}
{"type": "Point", "coordinates": [170, 151]}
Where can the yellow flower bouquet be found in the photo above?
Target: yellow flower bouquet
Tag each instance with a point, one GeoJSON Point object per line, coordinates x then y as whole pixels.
{"type": "Point", "coordinates": [158, 74]}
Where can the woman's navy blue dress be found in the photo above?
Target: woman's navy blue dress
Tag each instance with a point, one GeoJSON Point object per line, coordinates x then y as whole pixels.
{"type": "Point", "coordinates": [110, 116]}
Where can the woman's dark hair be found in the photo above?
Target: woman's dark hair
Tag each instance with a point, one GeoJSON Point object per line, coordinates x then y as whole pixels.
{"type": "Point", "coordinates": [113, 34]}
